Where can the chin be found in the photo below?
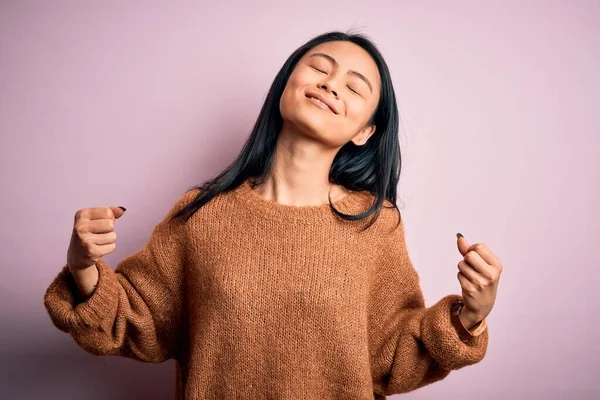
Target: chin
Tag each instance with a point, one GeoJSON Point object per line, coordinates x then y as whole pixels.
{"type": "Point", "coordinates": [321, 132]}
{"type": "Point", "coordinates": [313, 122]}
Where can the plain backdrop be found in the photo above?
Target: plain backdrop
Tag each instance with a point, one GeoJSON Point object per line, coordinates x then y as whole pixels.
{"type": "Point", "coordinates": [132, 102]}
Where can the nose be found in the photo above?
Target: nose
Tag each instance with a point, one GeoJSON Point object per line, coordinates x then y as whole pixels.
{"type": "Point", "coordinates": [328, 88]}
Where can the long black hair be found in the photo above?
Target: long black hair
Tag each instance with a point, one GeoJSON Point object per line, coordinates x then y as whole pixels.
{"type": "Point", "coordinates": [373, 167]}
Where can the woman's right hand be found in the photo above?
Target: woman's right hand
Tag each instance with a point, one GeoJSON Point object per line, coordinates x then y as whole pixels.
{"type": "Point", "coordinates": [93, 237]}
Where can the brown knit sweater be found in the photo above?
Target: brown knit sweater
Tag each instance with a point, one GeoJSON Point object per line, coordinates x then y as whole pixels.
{"type": "Point", "coordinates": [259, 300]}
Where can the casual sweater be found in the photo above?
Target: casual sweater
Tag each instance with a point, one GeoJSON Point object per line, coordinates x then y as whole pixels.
{"type": "Point", "coordinates": [256, 299]}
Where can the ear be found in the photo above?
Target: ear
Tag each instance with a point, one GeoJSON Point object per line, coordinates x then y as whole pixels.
{"type": "Point", "coordinates": [364, 135]}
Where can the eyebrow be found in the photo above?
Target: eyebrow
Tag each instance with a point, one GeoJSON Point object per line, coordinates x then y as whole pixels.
{"type": "Point", "coordinates": [351, 72]}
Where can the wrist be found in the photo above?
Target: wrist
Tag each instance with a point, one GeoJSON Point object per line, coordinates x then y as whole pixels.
{"type": "Point", "coordinates": [468, 318]}
{"type": "Point", "coordinates": [86, 280]}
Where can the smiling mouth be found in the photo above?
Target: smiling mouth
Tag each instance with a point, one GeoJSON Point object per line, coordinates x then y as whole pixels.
{"type": "Point", "coordinates": [320, 104]}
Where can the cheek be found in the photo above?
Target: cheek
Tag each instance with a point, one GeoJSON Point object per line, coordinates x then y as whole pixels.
{"type": "Point", "coordinates": [286, 102]}
{"type": "Point", "coordinates": [288, 97]}
{"type": "Point", "coordinates": [358, 112]}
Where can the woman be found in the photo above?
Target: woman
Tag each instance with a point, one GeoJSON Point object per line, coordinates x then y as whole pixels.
{"type": "Point", "coordinates": [286, 276]}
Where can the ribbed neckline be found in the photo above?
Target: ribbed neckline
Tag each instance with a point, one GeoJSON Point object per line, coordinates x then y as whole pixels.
{"type": "Point", "coordinates": [308, 214]}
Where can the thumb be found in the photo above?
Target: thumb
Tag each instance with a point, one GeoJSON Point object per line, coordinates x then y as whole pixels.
{"type": "Point", "coordinates": [118, 211]}
{"type": "Point", "coordinates": [462, 244]}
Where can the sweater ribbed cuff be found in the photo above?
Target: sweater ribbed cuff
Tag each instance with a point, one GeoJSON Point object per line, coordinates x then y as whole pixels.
{"type": "Point", "coordinates": [442, 340]}
{"type": "Point", "coordinates": [67, 311]}
{"type": "Point", "coordinates": [104, 299]}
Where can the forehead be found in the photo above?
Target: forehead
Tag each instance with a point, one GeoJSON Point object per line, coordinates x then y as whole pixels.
{"type": "Point", "coordinates": [349, 56]}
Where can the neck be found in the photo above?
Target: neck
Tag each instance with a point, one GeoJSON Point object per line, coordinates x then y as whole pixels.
{"type": "Point", "coordinates": [300, 171]}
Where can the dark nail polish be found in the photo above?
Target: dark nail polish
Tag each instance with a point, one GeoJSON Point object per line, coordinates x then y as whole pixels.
{"type": "Point", "coordinates": [459, 235]}
{"type": "Point", "coordinates": [122, 208]}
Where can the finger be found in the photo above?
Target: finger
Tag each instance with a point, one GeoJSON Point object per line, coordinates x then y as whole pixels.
{"type": "Point", "coordinates": [106, 248]}
{"type": "Point", "coordinates": [100, 226]}
{"type": "Point", "coordinates": [94, 213]}
{"type": "Point", "coordinates": [476, 262]}
{"type": "Point", "coordinates": [462, 244]}
{"type": "Point", "coordinates": [471, 274]}
{"type": "Point", "coordinates": [118, 211]}
{"type": "Point", "coordinates": [465, 283]}
{"type": "Point", "coordinates": [105, 238]}
{"type": "Point", "coordinates": [486, 254]}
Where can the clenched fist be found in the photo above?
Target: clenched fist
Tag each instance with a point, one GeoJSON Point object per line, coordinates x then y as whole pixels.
{"type": "Point", "coordinates": [93, 237]}
{"type": "Point", "coordinates": [478, 273]}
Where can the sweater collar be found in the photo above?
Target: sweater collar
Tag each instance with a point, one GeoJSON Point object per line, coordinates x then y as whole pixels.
{"type": "Point", "coordinates": [353, 203]}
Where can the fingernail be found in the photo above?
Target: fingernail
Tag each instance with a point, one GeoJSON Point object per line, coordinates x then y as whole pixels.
{"type": "Point", "coordinates": [122, 208]}
{"type": "Point", "coordinates": [459, 235]}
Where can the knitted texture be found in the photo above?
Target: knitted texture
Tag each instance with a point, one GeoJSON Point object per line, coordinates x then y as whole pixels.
{"type": "Point", "coordinates": [259, 300]}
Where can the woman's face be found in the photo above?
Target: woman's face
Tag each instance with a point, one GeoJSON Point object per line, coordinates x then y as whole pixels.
{"type": "Point", "coordinates": [332, 93]}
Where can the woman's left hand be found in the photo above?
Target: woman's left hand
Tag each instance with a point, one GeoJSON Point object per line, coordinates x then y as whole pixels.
{"type": "Point", "coordinates": [479, 273]}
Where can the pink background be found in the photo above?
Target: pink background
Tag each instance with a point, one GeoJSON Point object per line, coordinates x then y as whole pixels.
{"type": "Point", "coordinates": [119, 103]}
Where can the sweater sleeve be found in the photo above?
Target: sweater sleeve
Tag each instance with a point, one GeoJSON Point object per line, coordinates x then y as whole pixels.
{"type": "Point", "coordinates": [412, 345]}
{"type": "Point", "coordinates": [135, 310]}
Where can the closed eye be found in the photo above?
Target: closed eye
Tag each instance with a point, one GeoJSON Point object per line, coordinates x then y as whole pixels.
{"type": "Point", "coordinates": [320, 70]}
{"type": "Point", "coordinates": [352, 89]}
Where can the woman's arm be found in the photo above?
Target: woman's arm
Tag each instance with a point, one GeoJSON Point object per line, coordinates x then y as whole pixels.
{"type": "Point", "coordinates": [412, 345]}
{"type": "Point", "coordinates": [134, 311]}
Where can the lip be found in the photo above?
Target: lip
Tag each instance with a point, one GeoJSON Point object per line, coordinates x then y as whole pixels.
{"type": "Point", "coordinates": [322, 99]}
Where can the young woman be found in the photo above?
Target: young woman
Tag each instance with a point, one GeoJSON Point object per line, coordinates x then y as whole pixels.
{"type": "Point", "coordinates": [287, 275]}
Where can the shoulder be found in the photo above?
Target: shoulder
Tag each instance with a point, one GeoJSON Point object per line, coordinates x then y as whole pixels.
{"type": "Point", "coordinates": [388, 230]}
{"type": "Point", "coordinates": [389, 218]}
{"type": "Point", "coordinates": [187, 197]}
{"type": "Point", "coordinates": [182, 201]}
